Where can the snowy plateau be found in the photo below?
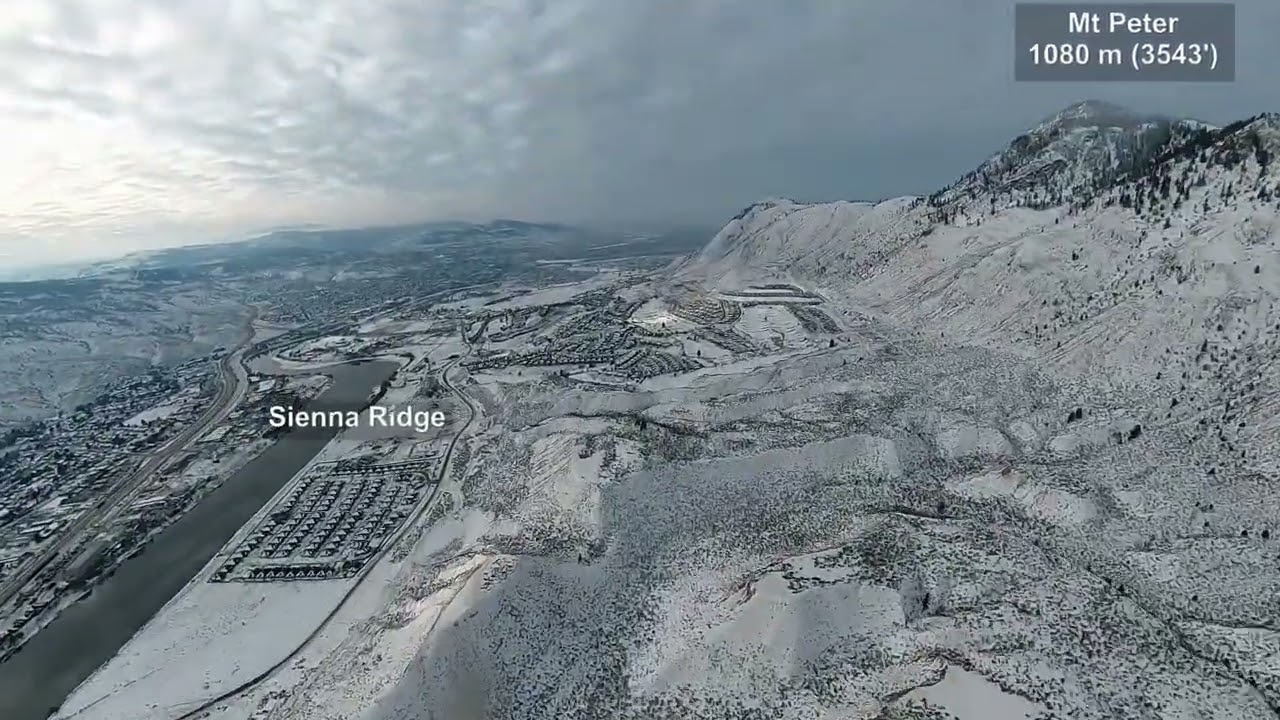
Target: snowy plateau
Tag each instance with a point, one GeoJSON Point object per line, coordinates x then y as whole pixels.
{"type": "Point", "coordinates": [1008, 451]}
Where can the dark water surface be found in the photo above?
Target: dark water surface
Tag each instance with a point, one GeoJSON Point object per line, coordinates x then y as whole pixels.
{"type": "Point", "coordinates": [91, 632]}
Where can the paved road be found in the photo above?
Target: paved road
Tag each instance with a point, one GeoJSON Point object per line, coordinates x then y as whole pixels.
{"type": "Point", "coordinates": [232, 383]}
{"type": "Point", "coordinates": [441, 477]}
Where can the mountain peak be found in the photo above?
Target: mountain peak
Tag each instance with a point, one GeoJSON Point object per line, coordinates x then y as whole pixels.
{"type": "Point", "coordinates": [1095, 108]}
{"type": "Point", "coordinates": [1091, 105]}
{"type": "Point", "coordinates": [1072, 153]}
{"type": "Point", "coordinates": [1098, 113]}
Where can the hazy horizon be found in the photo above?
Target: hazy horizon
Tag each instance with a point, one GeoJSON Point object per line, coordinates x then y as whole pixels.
{"type": "Point", "coordinates": [149, 124]}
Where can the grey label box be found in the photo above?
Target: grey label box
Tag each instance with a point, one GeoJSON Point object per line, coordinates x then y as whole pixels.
{"type": "Point", "coordinates": [1159, 42]}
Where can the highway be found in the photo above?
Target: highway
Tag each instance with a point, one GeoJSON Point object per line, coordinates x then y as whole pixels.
{"type": "Point", "coordinates": [232, 385]}
{"type": "Point", "coordinates": [441, 478]}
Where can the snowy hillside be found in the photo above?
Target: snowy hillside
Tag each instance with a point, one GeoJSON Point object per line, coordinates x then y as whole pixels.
{"type": "Point", "coordinates": [1132, 250]}
{"type": "Point", "coordinates": [1073, 154]}
{"type": "Point", "coordinates": [780, 237]}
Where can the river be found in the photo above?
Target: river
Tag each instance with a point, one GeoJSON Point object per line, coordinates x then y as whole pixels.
{"type": "Point", "coordinates": [88, 634]}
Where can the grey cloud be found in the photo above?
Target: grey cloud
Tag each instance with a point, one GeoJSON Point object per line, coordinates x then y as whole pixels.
{"type": "Point", "coordinates": [241, 115]}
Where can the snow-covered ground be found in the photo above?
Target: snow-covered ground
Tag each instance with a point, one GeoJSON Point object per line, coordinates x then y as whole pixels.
{"type": "Point", "coordinates": [211, 638]}
{"type": "Point", "coordinates": [657, 315]}
{"type": "Point", "coordinates": [772, 325]}
{"type": "Point", "coordinates": [969, 696]}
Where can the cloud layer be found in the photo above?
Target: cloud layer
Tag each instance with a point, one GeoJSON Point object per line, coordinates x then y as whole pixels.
{"type": "Point", "coordinates": [153, 122]}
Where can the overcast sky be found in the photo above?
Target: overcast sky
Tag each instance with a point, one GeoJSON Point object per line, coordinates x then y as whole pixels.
{"type": "Point", "coordinates": [139, 123]}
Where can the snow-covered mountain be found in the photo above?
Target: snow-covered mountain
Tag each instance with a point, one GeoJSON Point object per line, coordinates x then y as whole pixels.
{"type": "Point", "coordinates": [1082, 157]}
{"type": "Point", "coordinates": [1072, 155]}
{"type": "Point", "coordinates": [1136, 249]}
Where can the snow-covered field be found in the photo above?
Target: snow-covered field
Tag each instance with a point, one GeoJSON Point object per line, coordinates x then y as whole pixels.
{"type": "Point", "coordinates": [211, 638]}
{"type": "Point", "coordinates": [163, 411]}
{"type": "Point", "coordinates": [160, 412]}
{"type": "Point", "coordinates": [657, 315]}
{"type": "Point", "coordinates": [772, 326]}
